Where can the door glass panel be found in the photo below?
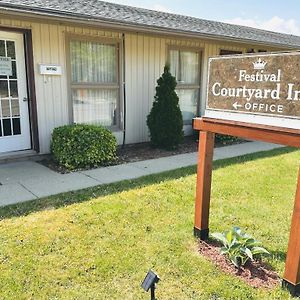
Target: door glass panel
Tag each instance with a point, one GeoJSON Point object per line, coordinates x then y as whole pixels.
{"type": "Point", "coordinates": [2, 53]}
{"type": "Point", "coordinates": [11, 49]}
{"type": "Point", "coordinates": [13, 88]}
{"type": "Point", "coordinates": [14, 70]}
{"type": "Point", "coordinates": [5, 108]}
{"type": "Point", "coordinates": [16, 126]}
{"type": "Point", "coordinates": [7, 127]}
{"type": "Point", "coordinates": [3, 88]}
{"type": "Point", "coordinates": [2, 48]}
{"type": "Point", "coordinates": [15, 108]}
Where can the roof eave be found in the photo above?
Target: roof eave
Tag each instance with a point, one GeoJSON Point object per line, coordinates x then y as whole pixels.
{"type": "Point", "coordinates": [119, 25]}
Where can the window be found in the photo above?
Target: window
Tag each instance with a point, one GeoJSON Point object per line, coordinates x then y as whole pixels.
{"type": "Point", "coordinates": [94, 82]}
{"type": "Point", "coordinates": [185, 66]}
{"type": "Point", "coordinates": [229, 52]}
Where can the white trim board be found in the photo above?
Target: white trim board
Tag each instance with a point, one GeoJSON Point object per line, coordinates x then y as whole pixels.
{"type": "Point", "coordinates": [253, 119]}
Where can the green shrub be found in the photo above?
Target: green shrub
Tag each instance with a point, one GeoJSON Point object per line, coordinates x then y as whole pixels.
{"type": "Point", "coordinates": [83, 146]}
{"type": "Point", "coordinates": [239, 246]}
{"type": "Point", "coordinates": [225, 139]}
{"type": "Point", "coordinates": [165, 118]}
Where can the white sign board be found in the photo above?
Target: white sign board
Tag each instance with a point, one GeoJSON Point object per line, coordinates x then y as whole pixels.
{"type": "Point", "coordinates": [5, 66]}
{"type": "Point", "coordinates": [50, 70]}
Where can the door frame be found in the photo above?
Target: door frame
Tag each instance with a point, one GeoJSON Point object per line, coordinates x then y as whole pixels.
{"type": "Point", "coordinates": [30, 82]}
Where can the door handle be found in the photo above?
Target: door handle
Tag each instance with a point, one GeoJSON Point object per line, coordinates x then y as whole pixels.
{"type": "Point", "coordinates": [25, 99]}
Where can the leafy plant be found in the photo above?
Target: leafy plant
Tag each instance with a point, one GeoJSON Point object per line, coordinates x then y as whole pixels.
{"type": "Point", "coordinates": [239, 246]}
{"type": "Point", "coordinates": [225, 139]}
{"type": "Point", "coordinates": [165, 119]}
{"type": "Point", "coordinates": [83, 146]}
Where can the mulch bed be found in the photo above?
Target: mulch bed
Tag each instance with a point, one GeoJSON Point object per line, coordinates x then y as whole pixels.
{"type": "Point", "coordinates": [142, 151]}
{"type": "Point", "coordinates": [256, 273]}
{"type": "Point", "coordinates": [135, 152]}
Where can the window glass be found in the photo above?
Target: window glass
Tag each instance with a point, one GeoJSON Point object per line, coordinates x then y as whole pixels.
{"type": "Point", "coordinates": [185, 66]}
{"type": "Point", "coordinates": [95, 106]}
{"type": "Point", "coordinates": [188, 104]}
{"type": "Point", "coordinates": [174, 63]}
{"type": "Point", "coordinates": [229, 52]}
{"type": "Point", "coordinates": [94, 82]}
{"type": "Point", "coordinates": [189, 67]}
{"type": "Point", "coordinates": [93, 62]}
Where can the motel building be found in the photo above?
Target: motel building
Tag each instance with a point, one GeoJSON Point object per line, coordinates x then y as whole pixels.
{"type": "Point", "coordinates": [67, 61]}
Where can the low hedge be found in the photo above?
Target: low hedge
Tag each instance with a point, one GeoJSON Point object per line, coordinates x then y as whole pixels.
{"type": "Point", "coordinates": [220, 139]}
{"type": "Point", "coordinates": [83, 146]}
{"type": "Point", "coordinates": [225, 139]}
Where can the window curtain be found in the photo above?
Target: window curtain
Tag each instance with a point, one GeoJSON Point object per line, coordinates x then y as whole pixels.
{"type": "Point", "coordinates": [174, 63]}
{"type": "Point", "coordinates": [189, 67]}
{"type": "Point", "coordinates": [93, 62]}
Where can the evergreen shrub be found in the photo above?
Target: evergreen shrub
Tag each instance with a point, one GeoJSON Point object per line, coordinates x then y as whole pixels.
{"type": "Point", "coordinates": [226, 139]}
{"type": "Point", "coordinates": [165, 119]}
{"type": "Point", "coordinates": [83, 146]}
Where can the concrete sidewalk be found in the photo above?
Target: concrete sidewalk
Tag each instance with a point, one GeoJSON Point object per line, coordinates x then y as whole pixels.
{"type": "Point", "coordinates": [28, 180]}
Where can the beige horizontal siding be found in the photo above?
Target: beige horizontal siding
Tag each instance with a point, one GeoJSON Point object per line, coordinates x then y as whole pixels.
{"type": "Point", "coordinates": [145, 57]}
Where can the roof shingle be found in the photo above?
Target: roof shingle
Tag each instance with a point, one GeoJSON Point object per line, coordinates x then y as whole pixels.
{"type": "Point", "coordinates": [110, 12]}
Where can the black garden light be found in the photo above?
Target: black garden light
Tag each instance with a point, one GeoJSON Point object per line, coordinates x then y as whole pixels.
{"type": "Point", "coordinates": [150, 282]}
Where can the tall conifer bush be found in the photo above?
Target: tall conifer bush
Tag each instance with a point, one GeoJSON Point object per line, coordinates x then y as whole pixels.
{"type": "Point", "coordinates": [165, 118]}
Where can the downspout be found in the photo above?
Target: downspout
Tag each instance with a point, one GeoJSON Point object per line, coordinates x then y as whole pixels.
{"type": "Point", "coordinates": [124, 91]}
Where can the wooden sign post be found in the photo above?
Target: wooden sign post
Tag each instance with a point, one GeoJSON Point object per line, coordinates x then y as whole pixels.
{"type": "Point", "coordinates": [251, 97]}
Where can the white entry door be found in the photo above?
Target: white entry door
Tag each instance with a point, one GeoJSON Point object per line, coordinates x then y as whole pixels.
{"type": "Point", "coordinates": [14, 116]}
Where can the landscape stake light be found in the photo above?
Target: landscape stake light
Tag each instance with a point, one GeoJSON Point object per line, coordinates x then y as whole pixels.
{"type": "Point", "coordinates": [150, 282]}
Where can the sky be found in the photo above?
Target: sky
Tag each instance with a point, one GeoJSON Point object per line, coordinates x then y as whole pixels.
{"type": "Point", "coordinates": [274, 15]}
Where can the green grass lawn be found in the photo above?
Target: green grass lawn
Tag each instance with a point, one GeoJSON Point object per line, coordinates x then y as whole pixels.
{"type": "Point", "coordinates": [99, 243]}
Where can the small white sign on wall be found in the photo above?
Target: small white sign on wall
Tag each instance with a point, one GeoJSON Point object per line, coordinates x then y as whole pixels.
{"type": "Point", "coordinates": [5, 66]}
{"type": "Point", "coordinates": [50, 70]}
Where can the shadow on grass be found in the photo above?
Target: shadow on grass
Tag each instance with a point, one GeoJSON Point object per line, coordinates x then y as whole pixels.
{"type": "Point", "coordinates": [65, 199]}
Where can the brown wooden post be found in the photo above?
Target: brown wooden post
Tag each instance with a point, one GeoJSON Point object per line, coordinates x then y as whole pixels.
{"type": "Point", "coordinates": [291, 279]}
{"type": "Point", "coordinates": [204, 174]}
